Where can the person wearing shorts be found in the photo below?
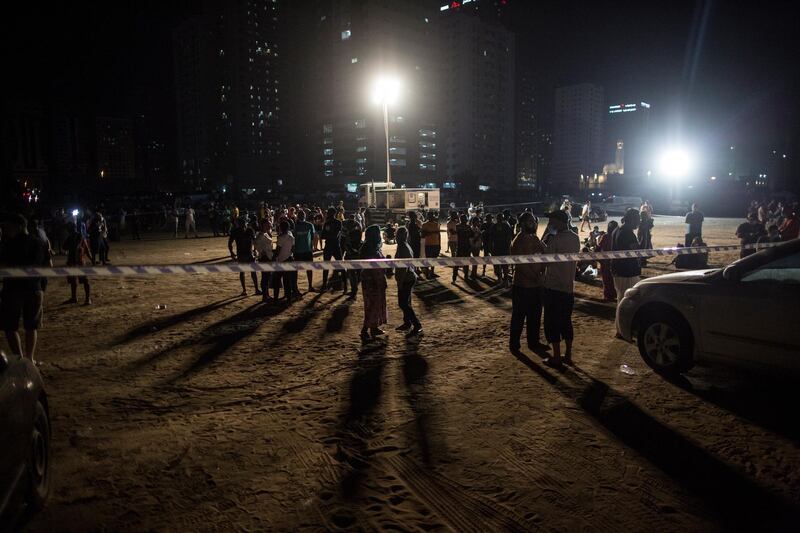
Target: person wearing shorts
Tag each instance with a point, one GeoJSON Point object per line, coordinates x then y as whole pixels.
{"type": "Point", "coordinates": [559, 288]}
{"type": "Point", "coordinates": [303, 244]}
{"type": "Point", "coordinates": [433, 240]}
{"type": "Point", "coordinates": [22, 298]}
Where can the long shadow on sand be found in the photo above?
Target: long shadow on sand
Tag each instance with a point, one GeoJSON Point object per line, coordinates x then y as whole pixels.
{"type": "Point", "coordinates": [768, 402]}
{"type": "Point", "coordinates": [156, 325]}
{"type": "Point", "coordinates": [359, 421]}
{"type": "Point", "coordinates": [739, 502]}
{"type": "Point", "coordinates": [433, 293]}
{"type": "Point", "coordinates": [415, 377]}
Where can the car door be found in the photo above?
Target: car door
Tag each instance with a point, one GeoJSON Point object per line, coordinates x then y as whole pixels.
{"type": "Point", "coordinates": [13, 445]}
{"type": "Point", "coordinates": [756, 321]}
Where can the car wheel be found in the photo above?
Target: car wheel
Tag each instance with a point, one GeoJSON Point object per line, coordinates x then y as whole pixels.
{"type": "Point", "coordinates": [665, 343]}
{"type": "Point", "coordinates": [39, 458]}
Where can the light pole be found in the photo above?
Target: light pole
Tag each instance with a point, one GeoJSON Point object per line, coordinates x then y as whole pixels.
{"type": "Point", "coordinates": [385, 91]}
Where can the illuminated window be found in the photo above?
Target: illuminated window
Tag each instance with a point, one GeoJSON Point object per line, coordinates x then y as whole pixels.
{"type": "Point", "coordinates": [353, 60]}
{"type": "Point", "coordinates": [328, 151]}
{"type": "Point", "coordinates": [361, 161]}
{"type": "Point", "coordinates": [328, 140]}
{"type": "Point", "coordinates": [397, 162]}
{"type": "Point", "coordinates": [427, 156]}
{"type": "Point", "coordinates": [329, 162]}
{"type": "Point", "coordinates": [346, 35]}
{"type": "Point", "coordinates": [361, 148]}
{"type": "Point", "coordinates": [329, 173]}
{"type": "Point", "coordinates": [397, 150]}
{"type": "Point", "coordinates": [327, 128]}
{"type": "Point", "coordinates": [361, 123]}
{"type": "Point", "coordinates": [427, 133]}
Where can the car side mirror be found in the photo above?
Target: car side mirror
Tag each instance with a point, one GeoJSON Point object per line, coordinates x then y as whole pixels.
{"type": "Point", "coordinates": [732, 273]}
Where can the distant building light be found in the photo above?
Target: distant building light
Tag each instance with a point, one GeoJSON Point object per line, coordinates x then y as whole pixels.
{"type": "Point", "coordinates": [448, 185]}
{"type": "Point", "coordinates": [630, 105]}
{"type": "Point", "coordinates": [353, 60]}
{"type": "Point", "coordinates": [444, 8]}
{"type": "Point", "coordinates": [784, 156]}
{"type": "Point", "coordinates": [713, 178]}
{"type": "Point", "coordinates": [645, 105]}
{"type": "Point", "coordinates": [483, 188]}
{"type": "Point", "coordinates": [426, 20]}
{"type": "Point", "coordinates": [346, 35]}
{"type": "Point", "coordinates": [614, 106]}
{"type": "Point", "coordinates": [731, 147]}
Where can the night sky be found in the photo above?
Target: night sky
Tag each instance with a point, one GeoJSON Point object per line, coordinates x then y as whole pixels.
{"type": "Point", "coordinates": [720, 70]}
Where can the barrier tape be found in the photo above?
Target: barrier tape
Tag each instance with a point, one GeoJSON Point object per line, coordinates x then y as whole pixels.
{"type": "Point", "coordinates": [362, 264]}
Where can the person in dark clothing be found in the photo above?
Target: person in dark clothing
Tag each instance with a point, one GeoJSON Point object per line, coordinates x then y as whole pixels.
{"type": "Point", "coordinates": [352, 233]}
{"type": "Point", "coordinates": [332, 235]}
{"type": "Point", "coordinates": [414, 233]}
{"type": "Point", "coordinates": [244, 238]}
{"type": "Point", "coordinates": [626, 272]}
{"type": "Point", "coordinates": [749, 232]}
{"type": "Point", "coordinates": [503, 233]}
{"type": "Point", "coordinates": [464, 232]}
{"type": "Point", "coordinates": [694, 219]}
{"type": "Point", "coordinates": [22, 297]}
{"type": "Point", "coordinates": [134, 221]}
{"type": "Point", "coordinates": [406, 279]}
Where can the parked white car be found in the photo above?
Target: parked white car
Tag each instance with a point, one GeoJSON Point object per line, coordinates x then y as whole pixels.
{"type": "Point", "coordinates": [746, 315]}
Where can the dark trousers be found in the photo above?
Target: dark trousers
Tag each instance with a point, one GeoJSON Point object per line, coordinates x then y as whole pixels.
{"type": "Point", "coordinates": [558, 315]}
{"type": "Point", "coordinates": [404, 291]}
{"type": "Point", "coordinates": [526, 309]}
{"type": "Point", "coordinates": [327, 255]}
{"type": "Point", "coordinates": [690, 237]}
{"type": "Point", "coordinates": [265, 279]}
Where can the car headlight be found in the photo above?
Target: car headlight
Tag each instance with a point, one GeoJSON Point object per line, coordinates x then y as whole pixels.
{"type": "Point", "coordinates": [632, 293]}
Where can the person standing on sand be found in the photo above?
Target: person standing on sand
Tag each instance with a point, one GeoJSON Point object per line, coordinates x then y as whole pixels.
{"type": "Point", "coordinates": [433, 241]}
{"type": "Point", "coordinates": [22, 297]}
{"type": "Point", "coordinates": [694, 219]}
{"type": "Point", "coordinates": [303, 242]}
{"type": "Point", "coordinates": [502, 246]}
{"type": "Point", "coordinates": [605, 243]}
{"type": "Point", "coordinates": [587, 208]}
{"type": "Point", "coordinates": [264, 254]}
{"type": "Point", "coordinates": [283, 253]}
{"type": "Point", "coordinates": [452, 233]}
{"type": "Point", "coordinates": [406, 279]}
{"type": "Point", "coordinates": [626, 272]}
{"type": "Point", "coordinates": [78, 254]}
{"type": "Point", "coordinates": [414, 233]}
{"type": "Point", "coordinates": [559, 288]}
{"type": "Point", "coordinates": [373, 286]}
{"type": "Point", "coordinates": [332, 249]}
{"type": "Point", "coordinates": [244, 238]}
{"type": "Point", "coordinates": [190, 225]}
{"type": "Point", "coordinates": [526, 292]}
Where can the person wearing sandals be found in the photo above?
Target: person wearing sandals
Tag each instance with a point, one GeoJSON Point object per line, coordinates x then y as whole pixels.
{"type": "Point", "coordinates": [373, 286]}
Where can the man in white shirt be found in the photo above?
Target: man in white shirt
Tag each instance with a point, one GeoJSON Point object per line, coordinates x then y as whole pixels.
{"type": "Point", "coordinates": [263, 250]}
{"type": "Point", "coordinates": [559, 287]}
{"type": "Point", "coordinates": [190, 223]}
{"type": "Point", "coordinates": [585, 212]}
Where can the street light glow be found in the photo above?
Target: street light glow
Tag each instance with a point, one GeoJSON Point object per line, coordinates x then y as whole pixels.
{"type": "Point", "coordinates": [385, 90]}
{"type": "Point", "coordinates": [675, 163]}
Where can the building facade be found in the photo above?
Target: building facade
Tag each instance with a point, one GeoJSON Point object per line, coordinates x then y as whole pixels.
{"type": "Point", "coordinates": [116, 150]}
{"type": "Point", "coordinates": [578, 137]}
{"type": "Point", "coordinates": [343, 141]}
{"type": "Point", "coordinates": [628, 145]}
{"type": "Point", "coordinates": [478, 102]}
{"type": "Point", "coordinates": [228, 95]}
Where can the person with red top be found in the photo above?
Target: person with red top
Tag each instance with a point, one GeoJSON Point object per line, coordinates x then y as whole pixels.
{"type": "Point", "coordinates": [78, 254]}
{"type": "Point", "coordinates": [790, 229]}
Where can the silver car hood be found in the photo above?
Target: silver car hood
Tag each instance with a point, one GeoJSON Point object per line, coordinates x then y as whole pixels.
{"type": "Point", "coordinates": [679, 277]}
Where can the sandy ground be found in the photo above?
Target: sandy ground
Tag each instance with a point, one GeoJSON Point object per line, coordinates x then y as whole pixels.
{"type": "Point", "coordinates": [220, 413]}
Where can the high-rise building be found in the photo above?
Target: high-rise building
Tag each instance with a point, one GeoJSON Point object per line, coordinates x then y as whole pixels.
{"type": "Point", "coordinates": [23, 145]}
{"type": "Point", "coordinates": [479, 101]}
{"type": "Point", "coordinates": [343, 141]}
{"type": "Point", "coordinates": [116, 152]}
{"type": "Point", "coordinates": [577, 137]}
{"type": "Point", "coordinates": [528, 131]}
{"type": "Point", "coordinates": [627, 143]}
{"type": "Point", "coordinates": [228, 94]}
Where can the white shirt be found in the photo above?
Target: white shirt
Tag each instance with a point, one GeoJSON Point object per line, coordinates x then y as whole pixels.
{"type": "Point", "coordinates": [190, 216]}
{"type": "Point", "coordinates": [263, 246]}
{"type": "Point", "coordinates": [285, 244]}
{"type": "Point", "coordinates": [585, 209]}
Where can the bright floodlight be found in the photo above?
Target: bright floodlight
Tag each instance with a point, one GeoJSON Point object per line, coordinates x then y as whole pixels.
{"type": "Point", "coordinates": [675, 163]}
{"type": "Point", "coordinates": [385, 90]}
{"type": "Point", "coordinates": [74, 212]}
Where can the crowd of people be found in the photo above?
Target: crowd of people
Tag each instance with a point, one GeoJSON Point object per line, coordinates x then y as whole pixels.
{"type": "Point", "coordinates": [297, 233]}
